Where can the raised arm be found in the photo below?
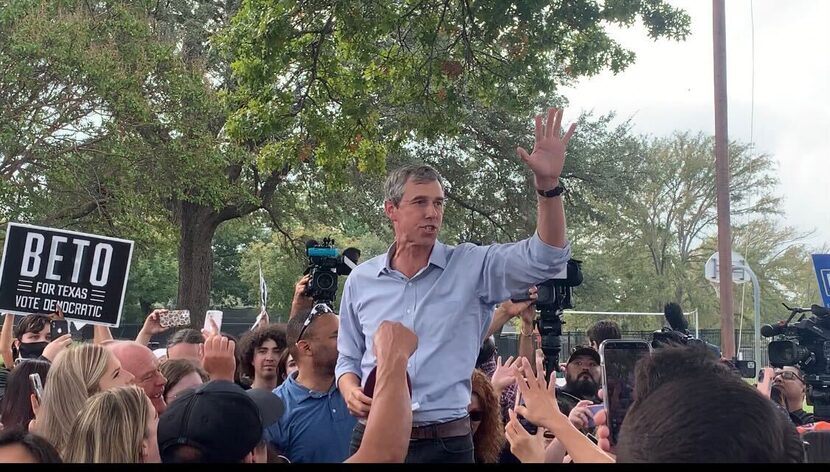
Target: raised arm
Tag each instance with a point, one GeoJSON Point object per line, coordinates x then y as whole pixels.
{"type": "Point", "coordinates": [389, 426]}
{"type": "Point", "coordinates": [546, 161]}
{"type": "Point", "coordinates": [6, 336]}
{"type": "Point", "coordinates": [152, 326]}
{"type": "Point", "coordinates": [541, 409]}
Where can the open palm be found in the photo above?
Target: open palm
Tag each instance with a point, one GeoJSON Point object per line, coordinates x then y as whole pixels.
{"type": "Point", "coordinates": [548, 156]}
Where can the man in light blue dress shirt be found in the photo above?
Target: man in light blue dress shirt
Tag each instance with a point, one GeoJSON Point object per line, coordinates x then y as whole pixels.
{"type": "Point", "coordinates": [446, 295]}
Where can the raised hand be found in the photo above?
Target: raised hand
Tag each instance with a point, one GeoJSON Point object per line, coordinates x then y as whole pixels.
{"type": "Point", "coordinates": [548, 155]}
{"type": "Point", "coordinates": [505, 374]}
{"type": "Point", "coordinates": [301, 303]}
{"type": "Point", "coordinates": [539, 397]}
{"type": "Point", "coordinates": [526, 447]}
{"type": "Point", "coordinates": [393, 338]}
{"type": "Point", "coordinates": [218, 358]}
{"type": "Point", "coordinates": [152, 325]}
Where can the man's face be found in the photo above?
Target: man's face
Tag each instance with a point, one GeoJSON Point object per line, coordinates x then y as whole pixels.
{"type": "Point", "coordinates": [265, 360]}
{"type": "Point", "coordinates": [192, 352]}
{"type": "Point", "coordinates": [144, 365]}
{"type": "Point", "coordinates": [583, 376]}
{"type": "Point", "coordinates": [790, 380]}
{"type": "Point", "coordinates": [323, 343]}
{"type": "Point", "coordinates": [417, 218]}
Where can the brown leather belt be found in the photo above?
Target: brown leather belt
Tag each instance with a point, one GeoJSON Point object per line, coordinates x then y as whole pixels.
{"type": "Point", "coordinates": [450, 429]}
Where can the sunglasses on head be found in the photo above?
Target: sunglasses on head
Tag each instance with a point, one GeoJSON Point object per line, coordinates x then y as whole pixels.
{"type": "Point", "coordinates": [318, 309]}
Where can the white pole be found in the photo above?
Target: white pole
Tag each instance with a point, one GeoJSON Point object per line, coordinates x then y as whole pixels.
{"type": "Point", "coordinates": [697, 326]}
{"type": "Point", "coordinates": [756, 292]}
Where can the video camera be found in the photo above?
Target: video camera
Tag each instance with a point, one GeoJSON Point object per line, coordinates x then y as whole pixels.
{"type": "Point", "coordinates": [553, 297]}
{"type": "Point", "coordinates": [325, 264]}
{"type": "Point", "coordinates": [805, 344]}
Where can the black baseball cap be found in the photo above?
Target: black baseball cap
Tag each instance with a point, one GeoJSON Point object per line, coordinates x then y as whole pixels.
{"type": "Point", "coordinates": [220, 419]}
{"type": "Point", "coordinates": [585, 351]}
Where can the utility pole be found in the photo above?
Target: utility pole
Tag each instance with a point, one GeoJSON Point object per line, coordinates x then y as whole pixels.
{"type": "Point", "coordinates": [727, 326]}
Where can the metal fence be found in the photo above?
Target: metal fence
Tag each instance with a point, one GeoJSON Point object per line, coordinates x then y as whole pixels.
{"type": "Point", "coordinates": [508, 343]}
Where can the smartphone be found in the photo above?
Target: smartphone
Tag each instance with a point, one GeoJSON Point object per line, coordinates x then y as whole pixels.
{"type": "Point", "coordinates": [175, 318]}
{"type": "Point", "coordinates": [619, 357]}
{"type": "Point", "coordinates": [216, 315]}
{"type": "Point", "coordinates": [594, 409]}
{"type": "Point", "coordinates": [58, 328]}
{"type": "Point", "coordinates": [37, 386]}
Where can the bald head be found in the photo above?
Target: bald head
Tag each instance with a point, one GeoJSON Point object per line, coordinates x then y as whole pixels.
{"type": "Point", "coordinates": [140, 361]}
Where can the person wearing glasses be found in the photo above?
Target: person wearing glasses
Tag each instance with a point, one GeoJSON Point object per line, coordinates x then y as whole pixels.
{"type": "Point", "coordinates": [794, 389]}
{"type": "Point", "coordinates": [316, 426]}
{"type": "Point", "coordinates": [446, 295]}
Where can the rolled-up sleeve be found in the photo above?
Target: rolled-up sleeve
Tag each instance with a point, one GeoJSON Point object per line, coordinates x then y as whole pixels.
{"type": "Point", "coordinates": [350, 342]}
{"type": "Point", "coordinates": [509, 269]}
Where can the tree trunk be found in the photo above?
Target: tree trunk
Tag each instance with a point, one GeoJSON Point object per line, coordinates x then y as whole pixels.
{"type": "Point", "coordinates": [197, 225]}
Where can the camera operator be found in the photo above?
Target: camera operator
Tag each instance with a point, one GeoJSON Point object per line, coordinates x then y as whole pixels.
{"type": "Point", "coordinates": [791, 381]}
{"type": "Point", "coordinates": [301, 303]}
{"type": "Point", "coordinates": [446, 295]}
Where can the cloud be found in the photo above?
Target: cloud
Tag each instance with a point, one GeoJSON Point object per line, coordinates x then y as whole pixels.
{"type": "Point", "coordinates": [787, 115]}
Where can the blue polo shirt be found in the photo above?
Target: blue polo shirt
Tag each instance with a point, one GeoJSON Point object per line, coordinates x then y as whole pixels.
{"type": "Point", "coordinates": [316, 426]}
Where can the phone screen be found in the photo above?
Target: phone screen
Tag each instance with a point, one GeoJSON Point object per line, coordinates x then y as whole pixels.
{"type": "Point", "coordinates": [37, 386]}
{"type": "Point", "coordinates": [216, 316]}
{"type": "Point", "coordinates": [58, 328]}
{"type": "Point", "coordinates": [619, 357]}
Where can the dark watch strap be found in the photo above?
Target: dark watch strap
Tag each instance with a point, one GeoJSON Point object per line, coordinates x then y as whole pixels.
{"type": "Point", "coordinates": [554, 192]}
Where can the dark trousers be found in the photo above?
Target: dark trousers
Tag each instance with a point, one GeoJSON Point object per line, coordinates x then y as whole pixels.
{"type": "Point", "coordinates": [455, 450]}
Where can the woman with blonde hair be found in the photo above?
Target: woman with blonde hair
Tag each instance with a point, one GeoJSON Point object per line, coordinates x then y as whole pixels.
{"type": "Point", "coordinates": [77, 374]}
{"type": "Point", "coordinates": [485, 420]}
{"type": "Point", "coordinates": [115, 426]}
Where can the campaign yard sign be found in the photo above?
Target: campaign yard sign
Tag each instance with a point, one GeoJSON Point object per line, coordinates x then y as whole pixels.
{"type": "Point", "coordinates": [43, 267]}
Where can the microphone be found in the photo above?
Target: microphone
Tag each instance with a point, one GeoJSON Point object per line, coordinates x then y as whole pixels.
{"type": "Point", "coordinates": [769, 331]}
{"type": "Point", "coordinates": [674, 315]}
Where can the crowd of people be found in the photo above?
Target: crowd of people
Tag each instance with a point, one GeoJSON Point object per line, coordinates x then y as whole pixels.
{"type": "Point", "coordinates": [404, 370]}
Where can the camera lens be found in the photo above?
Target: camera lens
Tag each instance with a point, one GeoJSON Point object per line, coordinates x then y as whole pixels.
{"type": "Point", "coordinates": [325, 281]}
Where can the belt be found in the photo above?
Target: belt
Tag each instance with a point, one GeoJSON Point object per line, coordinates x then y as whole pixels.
{"type": "Point", "coordinates": [450, 429]}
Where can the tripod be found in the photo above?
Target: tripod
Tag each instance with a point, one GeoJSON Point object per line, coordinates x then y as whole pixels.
{"type": "Point", "coordinates": [550, 328]}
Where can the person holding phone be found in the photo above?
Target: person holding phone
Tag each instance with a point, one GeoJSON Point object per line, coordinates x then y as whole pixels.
{"type": "Point", "coordinates": [32, 339]}
{"type": "Point", "coordinates": [583, 379]}
{"type": "Point", "coordinates": [446, 294]}
{"type": "Point", "coordinates": [16, 407]}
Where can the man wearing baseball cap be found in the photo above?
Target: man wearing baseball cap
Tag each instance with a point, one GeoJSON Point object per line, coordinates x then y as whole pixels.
{"type": "Point", "coordinates": [583, 379]}
{"type": "Point", "coordinates": [217, 422]}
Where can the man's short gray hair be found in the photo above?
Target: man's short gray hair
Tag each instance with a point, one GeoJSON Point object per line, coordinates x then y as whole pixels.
{"type": "Point", "coordinates": [397, 179]}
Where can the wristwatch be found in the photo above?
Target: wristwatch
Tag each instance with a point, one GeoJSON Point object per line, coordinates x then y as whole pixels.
{"type": "Point", "coordinates": [554, 192]}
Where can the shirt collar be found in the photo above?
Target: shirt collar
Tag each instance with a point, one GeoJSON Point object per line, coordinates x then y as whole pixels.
{"type": "Point", "coordinates": [301, 393]}
{"type": "Point", "coordinates": [438, 257]}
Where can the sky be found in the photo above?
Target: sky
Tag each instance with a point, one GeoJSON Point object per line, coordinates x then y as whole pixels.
{"type": "Point", "coordinates": [671, 86]}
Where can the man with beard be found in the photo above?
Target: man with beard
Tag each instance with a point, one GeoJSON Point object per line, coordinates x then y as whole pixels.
{"type": "Point", "coordinates": [259, 352]}
{"type": "Point", "coordinates": [316, 426]}
{"type": "Point", "coordinates": [582, 380]}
